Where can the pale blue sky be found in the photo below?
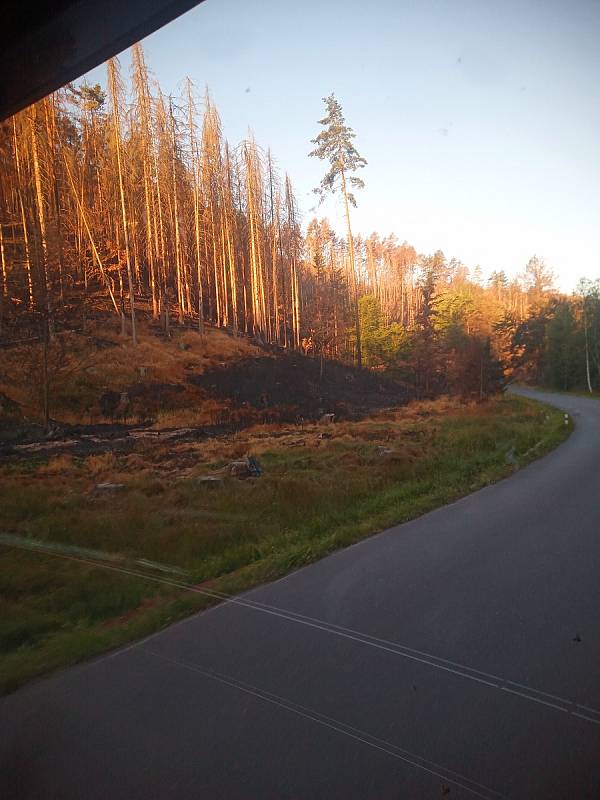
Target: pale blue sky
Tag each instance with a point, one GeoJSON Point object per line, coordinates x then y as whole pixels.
{"type": "Point", "coordinates": [480, 120]}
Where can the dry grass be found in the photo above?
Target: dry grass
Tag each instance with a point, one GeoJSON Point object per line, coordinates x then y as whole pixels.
{"type": "Point", "coordinates": [86, 371]}
{"type": "Point", "coordinates": [103, 465]}
{"type": "Point", "coordinates": [316, 494]}
{"type": "Point", "coordinates": [203, 411]}
{"type": "Point", "coordinates": [62, 464]}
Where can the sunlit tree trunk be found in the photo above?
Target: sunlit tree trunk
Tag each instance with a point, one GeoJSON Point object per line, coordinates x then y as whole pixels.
{"type": "Point", "coordinates": [292, 254]}
{"type": "Point", "coordinates": [4, 268]}
{"type": "Point", "coordinates": [178, 254]}
{"type": "Point", "coordinates": [196, 196]}
{"type": "Point", "coordinates": [93, 247]}
{"type": "Point", "coordinates": [114, 91]}
{"type": "Point", "coordinates": [230, 237]}
{"type": "Point", "coordinates": [140, 81]}
{"type": "Point", "coordinates": [352, 271]}
{"type": "Point", "coordinates": [40, 208]}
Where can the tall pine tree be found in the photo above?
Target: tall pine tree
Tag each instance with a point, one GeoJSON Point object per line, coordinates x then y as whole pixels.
{"type": "Point", "coordinates": [334, 144]}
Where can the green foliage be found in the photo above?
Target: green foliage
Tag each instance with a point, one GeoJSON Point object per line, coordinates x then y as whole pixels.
{"type": "Point", "coordinates": [589, 292]}
{"type": "Point", "coordinates": [473, 371]}
{"type": "Point", "coordinates": [498, 280]}
{"type": "Point", "coordinates": [426, 352]}
{"type": "Point", "coordinates": [563, 349]}
{"type": "Point", "coordinates": [529, 342]}
{"type": "Point", "coordinates": [451, 311]}
{"type": "Point", "coordinates": [335, 144]}
{"type": "Point", "coordinates": [558, 344]}
{"type": "Point", "coordinates": [382, 343]}
{"type": "Point", "coordinates": [92, 98]}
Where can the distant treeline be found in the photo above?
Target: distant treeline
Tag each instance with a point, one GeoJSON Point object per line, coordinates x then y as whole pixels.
{"type": "Point", "coordinates": [558, 342]}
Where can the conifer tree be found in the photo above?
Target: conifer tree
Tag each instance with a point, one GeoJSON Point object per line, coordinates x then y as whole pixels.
{"type": "Point", "coordinates": [334, 144]}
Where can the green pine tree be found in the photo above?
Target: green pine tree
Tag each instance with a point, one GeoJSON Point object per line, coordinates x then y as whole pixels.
{"type": "Point", "coordinates": [334, 144]}
{"type": "Point", "coordinates": [381, 342]}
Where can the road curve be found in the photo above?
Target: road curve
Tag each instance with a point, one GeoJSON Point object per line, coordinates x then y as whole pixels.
{"type": "Point", "coordinates": [457, 654]}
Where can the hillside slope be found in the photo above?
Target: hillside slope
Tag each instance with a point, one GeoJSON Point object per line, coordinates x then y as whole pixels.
{"type": "Point", "coordinates": [98, 380]}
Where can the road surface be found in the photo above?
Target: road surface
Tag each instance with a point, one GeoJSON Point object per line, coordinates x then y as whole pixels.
{"type": "Point", "coordinates": [456, 655]}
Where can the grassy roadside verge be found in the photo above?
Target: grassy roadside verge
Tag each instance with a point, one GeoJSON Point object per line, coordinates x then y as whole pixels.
{"type": "Point", "coordinates": [322, 489]}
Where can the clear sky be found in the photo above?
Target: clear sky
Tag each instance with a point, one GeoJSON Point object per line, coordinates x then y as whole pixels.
{"type": "Point", "coordinates": [480, 120]}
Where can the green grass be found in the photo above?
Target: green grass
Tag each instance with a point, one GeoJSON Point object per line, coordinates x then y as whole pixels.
{"type": "Point", "coordinates": [310, 501]}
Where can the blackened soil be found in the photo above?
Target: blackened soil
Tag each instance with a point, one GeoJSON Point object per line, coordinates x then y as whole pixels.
{"type": "Point", "coordinates": [292, 386]}
{"type": "Point", "coordinates": [285, 388]}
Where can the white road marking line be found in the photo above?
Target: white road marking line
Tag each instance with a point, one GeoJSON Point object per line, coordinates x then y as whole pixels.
{"type": "Point", "coordinates": [591, 710]}
{"type": "Point", "coordinates": [583, 716]}
{"type": "Point", "coordinates": [461, 670]}
{"type": "Point", "coordinates": [461, 781]}
{"type": "Point", "coordinates": [534, 699]}
{"type": "Point", "coordinates": [538, 691]}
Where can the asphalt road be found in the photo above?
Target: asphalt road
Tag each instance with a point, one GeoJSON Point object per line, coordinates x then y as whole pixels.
{"type": "Point", "coordinates": [457, 655]}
